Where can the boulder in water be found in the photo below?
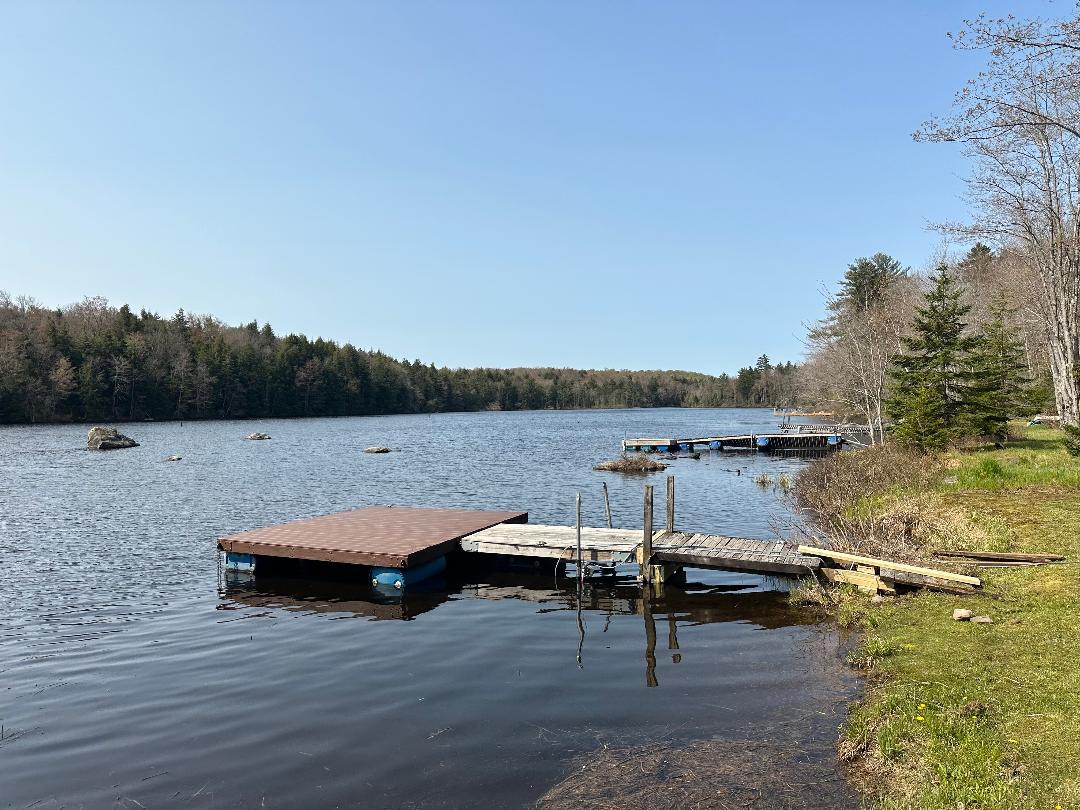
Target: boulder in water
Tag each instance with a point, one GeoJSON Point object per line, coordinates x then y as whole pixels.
{"type": "Point", "coordinates": [256, 437]}
{"type": "Point", "coordinates": [174, 458]}
{"type": "Point", "coordinates": [377, 450]}
{"type": "Point", "coordinates": [107, 438]}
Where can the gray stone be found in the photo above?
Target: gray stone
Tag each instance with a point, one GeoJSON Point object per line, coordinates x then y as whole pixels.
{"type": "Point", "coordinates": [982, 620]}
{"type": "Point", "coordinates": [377, 450]}
{"type": "Point", "coordinates": [107, 438]}
{"type": "Point", "coordinates": [961, 614]}
{"type": "Point", "coordinates": [258, 437]}
{"type": "Point", "coordinates": [174, 458]}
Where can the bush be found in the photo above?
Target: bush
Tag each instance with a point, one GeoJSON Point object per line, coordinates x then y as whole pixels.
{"type": "Point", "coordinates": [1072, 439]}
{"type": "Point", "coordinates": [844, 495]}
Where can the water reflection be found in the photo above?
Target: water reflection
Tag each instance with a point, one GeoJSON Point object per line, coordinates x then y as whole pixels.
{"type": "Point", "coordinates": [757, 602]}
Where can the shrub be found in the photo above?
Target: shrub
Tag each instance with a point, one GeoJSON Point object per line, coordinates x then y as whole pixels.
{"type": "Point", "coordinates": [1072, 439]}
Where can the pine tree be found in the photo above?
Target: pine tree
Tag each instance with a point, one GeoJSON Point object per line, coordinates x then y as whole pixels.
{"type": "Point", "coordinates": [930, 381]}
{"type": "Point", "coordinates": [999, 385]}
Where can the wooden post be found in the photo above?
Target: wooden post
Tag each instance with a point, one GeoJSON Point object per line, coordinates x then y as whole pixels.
{"type": "Point", "coordinates": [671, 504]}
{"type": "Point", "coordinates": [580, 564]}
{"type": "Point", "coordinates": [607, 504]}
{"type": "Point", "coordinates": [646, 539]}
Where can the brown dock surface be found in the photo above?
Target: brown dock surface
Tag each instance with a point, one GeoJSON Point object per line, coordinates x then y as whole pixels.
{"type": "Point", "coordinates": [390, 536]}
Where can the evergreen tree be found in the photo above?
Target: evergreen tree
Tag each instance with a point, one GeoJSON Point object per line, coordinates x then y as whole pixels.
{"type": "Point", "coordinates": [930, 380]}
{"type": "Point", "coordinates": [999, 384]}
{"type": "Point", "coordinates": [867, 281]}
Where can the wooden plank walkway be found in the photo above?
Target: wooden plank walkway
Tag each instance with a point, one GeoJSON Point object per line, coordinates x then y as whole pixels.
{"type": "Point", "coordinates": [620, 545]}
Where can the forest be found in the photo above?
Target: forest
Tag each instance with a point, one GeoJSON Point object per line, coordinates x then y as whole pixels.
{"type": "Point", "coordinates": [94, 362]}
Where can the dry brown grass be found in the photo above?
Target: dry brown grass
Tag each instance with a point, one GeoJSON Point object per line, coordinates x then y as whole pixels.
{"type": "Point", "coordinates": [851, 500]}
{"type": "Point", "coordinates": [631, 464]}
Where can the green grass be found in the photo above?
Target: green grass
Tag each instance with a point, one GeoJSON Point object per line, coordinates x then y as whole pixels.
{"type": "Point", "coordinates": [962, 715]}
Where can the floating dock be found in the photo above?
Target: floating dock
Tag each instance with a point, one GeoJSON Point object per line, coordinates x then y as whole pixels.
{"type": "Point", "coordinates": [387, 539]}
{"type": "Point", "coordinates": [746, 441]}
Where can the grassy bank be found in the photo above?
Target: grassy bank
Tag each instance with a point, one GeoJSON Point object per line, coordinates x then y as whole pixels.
{"type": "Point", "coordinates": [961, 715]}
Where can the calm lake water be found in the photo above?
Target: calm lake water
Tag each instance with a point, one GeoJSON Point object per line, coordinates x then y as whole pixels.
{"type": "Point", "coordinates": [135, 673]}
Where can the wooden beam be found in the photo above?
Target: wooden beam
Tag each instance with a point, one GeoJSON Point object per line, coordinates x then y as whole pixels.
{"type": "Point", "coordinates": [1001, 556]}
{"type": "Point", "coordinates": [924, 581]}
{"type": "Point", "coordinates": [671, 504]}
{"type": "Point", "coordinates": [868, 583]}
{"type": "Point", "coordinates": [857, 559]}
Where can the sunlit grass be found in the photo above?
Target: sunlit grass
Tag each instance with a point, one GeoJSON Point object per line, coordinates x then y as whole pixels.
{"type": "Point", "coordinates": [962, 715]}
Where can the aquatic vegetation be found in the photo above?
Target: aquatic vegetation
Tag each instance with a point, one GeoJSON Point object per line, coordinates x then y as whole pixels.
{"type": "Point", "coordinates": [631, 464]}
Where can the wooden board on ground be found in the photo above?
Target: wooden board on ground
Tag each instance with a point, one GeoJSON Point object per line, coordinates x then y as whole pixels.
{"type": "Point", "coordinates": [1001, 556]}
{"type": "Point", "coordinates": [868, 583]}
{"type": "Point", "coordinates": [858, 559]}
{"type": "Point", "coordinates": [923, 581]}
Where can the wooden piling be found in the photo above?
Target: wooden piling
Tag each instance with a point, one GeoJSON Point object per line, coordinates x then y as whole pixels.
{"type": "Point", "coordinates": [646, 539]}
{"type": "Point", "coordinates": [607, 504]}
{"type": "Point", "coordinates": [671, 504]}
{"type": "Point", "coordinates": [580, 564]}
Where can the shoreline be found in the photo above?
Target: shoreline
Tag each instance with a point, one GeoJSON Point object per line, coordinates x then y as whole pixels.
{"type": "Point", "coordinates": [957, 714]}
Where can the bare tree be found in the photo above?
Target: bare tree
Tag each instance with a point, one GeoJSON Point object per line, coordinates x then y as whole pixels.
{"type": "Point", "coordinates": [853, 349]}
{"type": "Point", "coordinates": [1019, 121]}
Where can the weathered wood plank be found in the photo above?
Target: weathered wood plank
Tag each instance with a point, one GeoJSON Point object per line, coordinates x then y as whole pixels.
{"type": "Point", "coordinates": [895, 566]}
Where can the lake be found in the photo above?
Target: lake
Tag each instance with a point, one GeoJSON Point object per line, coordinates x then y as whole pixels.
{"type": "Point", "coordinates": [135, 673]}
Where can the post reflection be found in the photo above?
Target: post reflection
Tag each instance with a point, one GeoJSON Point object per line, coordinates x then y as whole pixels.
{"type": "Point", "coordinates": [686, 604]}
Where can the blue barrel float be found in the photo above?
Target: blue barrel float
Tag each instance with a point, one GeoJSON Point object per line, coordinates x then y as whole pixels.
{"type": "Point", "coordinates": [398, 578]}
{"type": "Point", "coordinates": [762, 441]}
{"type": "Point", "coordinates": [835, 440]}
{"type": "Point", "coordinates": [239, 562]}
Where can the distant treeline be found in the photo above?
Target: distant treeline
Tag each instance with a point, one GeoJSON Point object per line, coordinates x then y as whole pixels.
{"type": "Point", "coordinates": [93, 362]}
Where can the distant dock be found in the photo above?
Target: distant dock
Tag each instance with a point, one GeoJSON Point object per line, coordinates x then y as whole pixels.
{"type": "Point", "coordinates": [747, 441]}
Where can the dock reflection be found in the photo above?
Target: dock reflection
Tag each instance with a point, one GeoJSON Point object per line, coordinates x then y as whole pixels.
{"type": "Point", "coordinates": [675, 606]}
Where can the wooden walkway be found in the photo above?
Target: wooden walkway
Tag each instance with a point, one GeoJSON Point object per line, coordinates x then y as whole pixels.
{"type": "Point", "coordinates": [621, 545]}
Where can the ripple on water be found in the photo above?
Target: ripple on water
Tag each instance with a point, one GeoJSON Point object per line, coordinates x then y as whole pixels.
{"type": "Point", "coordinates": [133, 669]}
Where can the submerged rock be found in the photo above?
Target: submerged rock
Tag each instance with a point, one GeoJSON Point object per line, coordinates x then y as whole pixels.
{"type": "Point", "coordinates": [174, 458]}
{"type": "Point", "coordinates": [377, 450]}
{"type": "Point", "coordinates": [258, 437]}
{"type": "Point", "coordinates": [107, 438]}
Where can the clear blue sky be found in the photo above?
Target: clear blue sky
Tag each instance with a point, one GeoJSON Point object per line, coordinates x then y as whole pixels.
{"type": "Point", "coordinates": [594, 184]}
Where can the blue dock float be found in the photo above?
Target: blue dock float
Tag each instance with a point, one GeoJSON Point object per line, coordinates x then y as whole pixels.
{"type": "Point", "coordinates": [398, 578]}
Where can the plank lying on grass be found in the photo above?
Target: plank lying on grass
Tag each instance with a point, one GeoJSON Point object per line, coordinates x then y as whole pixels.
{"type": "Point", "coordinates": [857, 559]}
{"type": "Point", "coordinates": [1001, 556]}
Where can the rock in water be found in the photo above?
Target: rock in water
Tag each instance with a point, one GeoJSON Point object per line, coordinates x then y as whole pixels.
{"type": "Point", "coordinates": [174, 458]}
{"type": "Point", "coordinates": [107, 438]}
{"type": "Point", "coordinates": [258, 436]}
{"type": "Point", "coordinates": [377, 450]}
